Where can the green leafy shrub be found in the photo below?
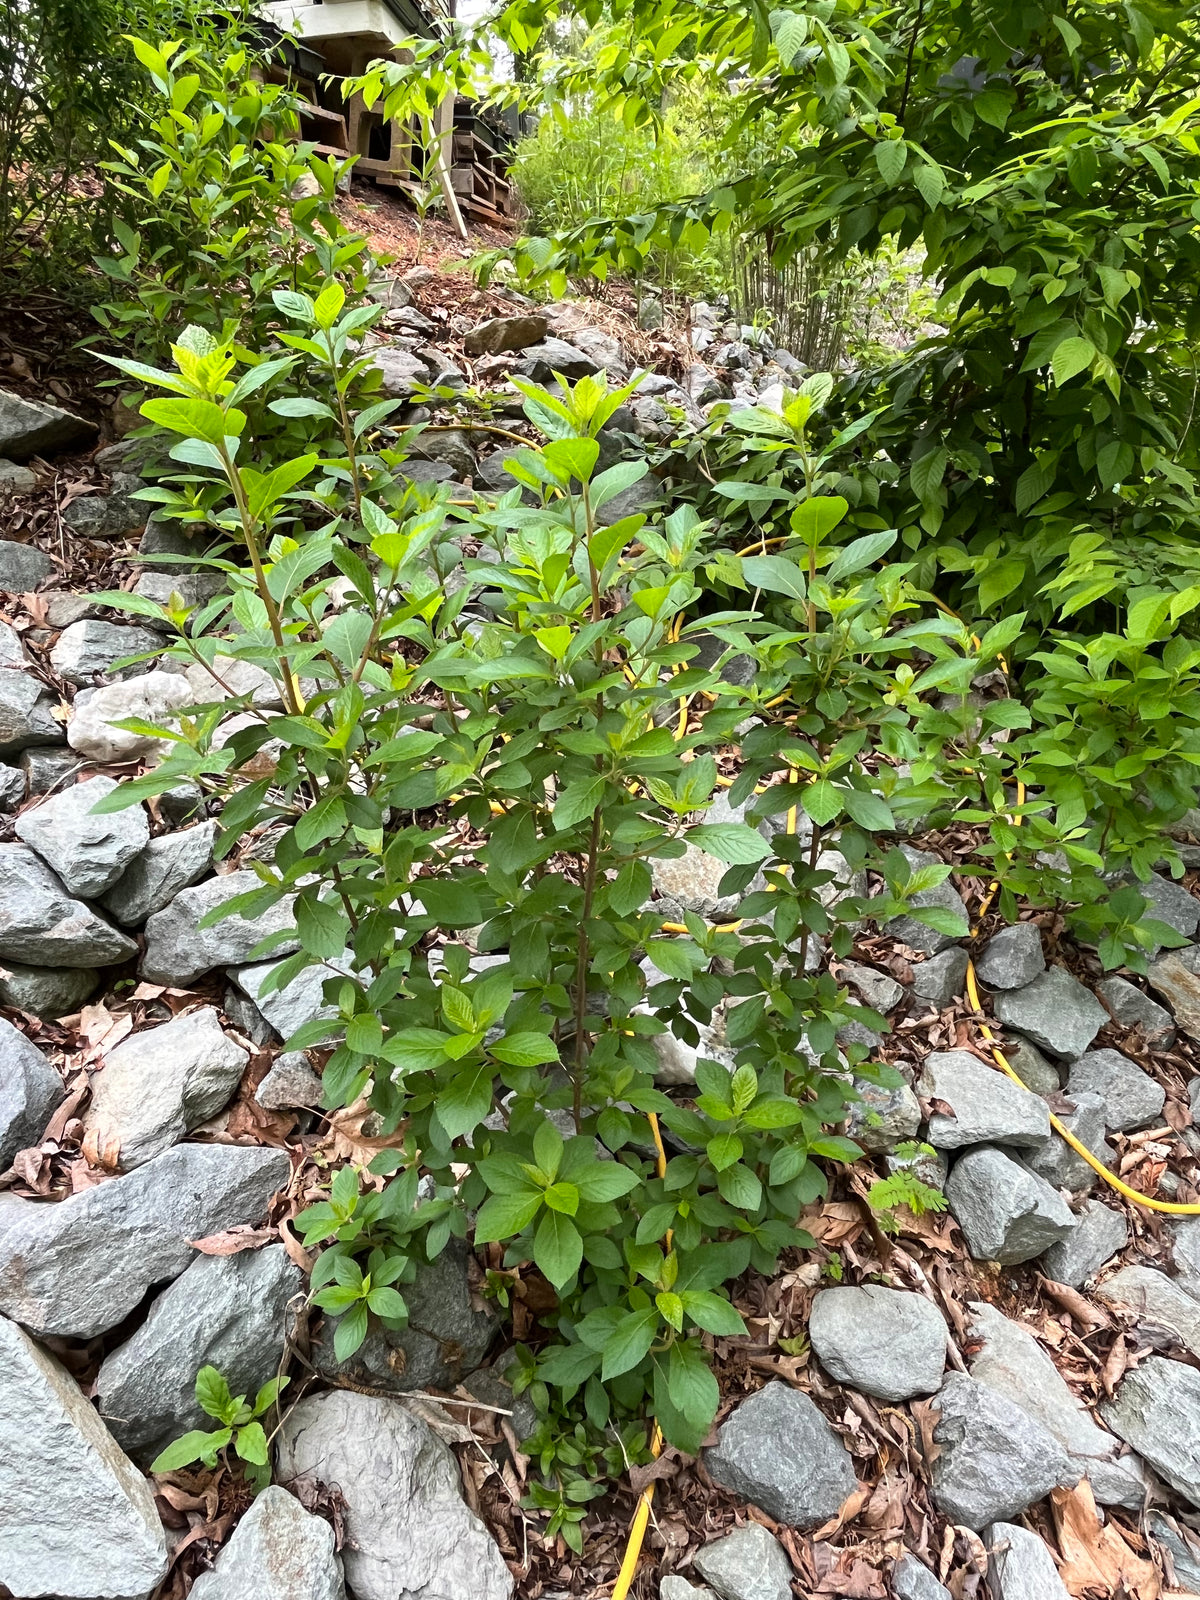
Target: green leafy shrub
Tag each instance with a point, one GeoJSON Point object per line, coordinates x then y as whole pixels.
{"type": "Point", "coordinates": [239, 1425]}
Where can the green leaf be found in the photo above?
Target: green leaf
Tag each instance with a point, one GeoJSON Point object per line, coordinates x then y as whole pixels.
{"type": "Point", "coordinates": [463, 1103]}
{"type": "Point", "coordinates": [733, 842]}
{"type": "Point", "coordinates": [891, 157]}
{"type": "Point", "coordinates": [712, 1313]}
{"type": "Point", "coordinates": [724, 1150]}
{"type": "Point", "coordinates": [548, 1148]}
{"type": "Point", "coordinates": [1000, 578]}
{"type": "Point", "coordinates": [385, 1302]}
{"type": "Point", "coordinates": [868, 809]}
{"type": "Point", "coordinates": [189, 1447]}
{"type": "Point", "coordinates": [503, 1215]}
{"type": "Point", "coordinates": [815, 519]}
{"type": "Point", "coordinates": [527, 1049]}
{"type": "Point", "coordinates": [740, 1187]}
{"type": "Point", "coordinates": [629, 1342]}
{"type": "Point", "coordinates": [822, 801]}
{"type": "Point", "coordinates": [860, 553]}
{"type": "Point", "coordinates": [557, 1248]}
{"type": "Point", "coordinates": [250, 1442]}
{"type": "Point", "coordinates": [350, 1332]}
{"type": "Point", "coordinates": [930, 183]}
{"type": "Point", "coordinates": [212, 1394]}
{"type": "Point", "coordinates": [605, 1181]}
{"type": "Point", "coordinates": [577, 802]}
{"type": "Point", "coordinates": [416, 1049]}
{"type": "Point", "coordinates": [775, 575]}
{"type": "Point", "coordinates": [1070, 358]}
{"type": "Point", "coordinates": [195, 419]}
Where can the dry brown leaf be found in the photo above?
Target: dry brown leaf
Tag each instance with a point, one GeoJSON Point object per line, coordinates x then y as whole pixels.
{"type": "Point", "coordinates": [234, 1240]}
{"type": "Point", "coordinates": [1095, 1558]}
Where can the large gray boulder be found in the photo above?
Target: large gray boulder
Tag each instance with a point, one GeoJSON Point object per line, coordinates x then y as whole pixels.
{"type": "Point", "coordinates": [178, 950]}
{"type": "Point", "coordinates": [1171, 903]}
{"type": "Point", "coordinates": [88, 852]}
{"type": "Point", "coordinates": [46, 991]}
{"type": "Point", "coordinates": [886, 1342]}
{"type": "Point", "coordinates": [408, 1533]}
{"type": "Point", "coordinates": [78, 1267]}
{"type": "Point", "coordinates": [30, 1092]}
{"type": "Point", "coordinates": [1013, 957]}
{"type": "Point", "coordinates": [1100, 1232]}
{"type": "Point", "coordinates": [153, 697]}
{"type": "Point", "coordinates": [994, 1460]}
{"type": "Point", "coordinates": [919, 935]}
{"type": "Point", "coordinates": [498, 334]}
{"type": "Point", "coordinates": [89, 647]}
{"type": "Point", "coordinates": [1132, 1098]}
{"type": "Point", "coordinates": [26, 712]}
{"type": "Point", "coordinates": [279, 1551]}
{"type": "Point", "coordinates": [228, 1312]}
{"type": "Point", "coordinates": [297, 1002]}
{"type": "Point", "coordinates": [1055, 1011]}
{"type": "Point", "coordinates": [747, 1564]}
{"type": "Point", "coordinates": [1007, 1213]}
{"type": "Point", "coordinates": [777, 1451]}
{"type": "Point", "coordinates": [158, 1085]}
{"type": "Point", "coordinates": [986, 1107]}
{"type": "Point", "coordinates": [1012, 1363]}
{"type": "Point", "coordinates": [36, 428]}
{"type": "Point", "coordinates": [167, 865]}
{"type": "Point", "coordinates": [445, 1341]}
{"type": "Point", "coordinates": [41, 924]}
{"type": "Point", "coordinates": [1156, 1410]}
{"type": "Point", "coordinates": [78, 1520]}
{"type": "Point", "coordinates": [542, 361]}
{"type": "Point", "coordinates": [1020, 1567]}
{"type": "Point", "coordinates": [1163, 1313]}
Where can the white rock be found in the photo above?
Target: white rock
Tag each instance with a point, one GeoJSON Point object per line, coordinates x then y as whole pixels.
{"type": "Point", "coordinates": [88, 852]}
{"type": "Point", "coordinates": [278, 1551]}
{"type": "Point", "coordinates": [237, 679]}
{"type": "Point", "coordinates": [151, 698]}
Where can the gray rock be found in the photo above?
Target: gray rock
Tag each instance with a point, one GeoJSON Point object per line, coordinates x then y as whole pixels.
{"type": "Point", "coordinates": [1013, 957]}
{"type": "Point", "coordinates": [79, 1519]}
{"type": "Point", "coordinates": [603, 349]}
{"type": "Point", "coordinates": [46, 991]}
{"type": "Point", "coordinates": [158, 1085]}
{"type": "Point", "coordinates": [986, 1107]}
{"type": "Point", "coordinates": [452, 448]}
{"type": "Point", "coordinates": [1055, 1011]}
{"type": "Point", "coordinates": [918, 935]}
{"type": "Point", "coordinates": [26, 712]}
{"type": "Point", "coordinates": [1156, 1410]}
{"type": "Point", "coordinates": [748, 1564]}
{"type": "Point", "coordinates": [46, 770]}
{"type": "Point", "coordinates": [1171, 903]}
{"type": "Point", "coordinates": [299, 1001]}
{"type": "Point", "coordinates": [169, 538]}
{"type": "Point", "coordinates": [1058, 1163]}
{"type": "Point", "coordinates": [409, 320]}
{"type": "Point", "coordinates": [105, 516]}
{"type": "Point", "coordinates": [1185, 1236]}
{"type": "Point", "coordinates": [36, 428]}
{"type": "Point", "coordinates": [63, 608]}
{"type": "Point", "coordinates": [498, 334]}
{"type": "Point", "coordinates": [167, 866]}
{"type": "Point", "coordinates": [30, 1092]}
{"type": "Point", "coordinates": [673, 1587]}
{"type": "Point", "coordinates": [1131, 1097]}
{"type": "Point", "coordinates": [12, 787]}
{"type": "Point", "coordinates": [181, 805]}
{"type": "Point", "coordinates": [278, 1551]}
{"type": "Point", "coordinates": [543, 361]}
{"type": "Point", "coordinates": [150, 698]}
{"type": "Point", "coordinates": [1184, 1552]}
{"type": "Point", "coordinates": [40, 922]}
{"type": "Point", "coordinates": [79, 1266]}
{"type": "Point", "coordinates": [89, 852]}
{"type": "Point", "coordinates": [642, 496]}
{"type": "Point", "coordinates": [420, 1542]}
{"type": "Point", "coordinates": [402, 373]}
{"type": "Point", "coordinates": [881, 992]}
{"type": "Point", "coordinates": [1040, 1076]}
{"type": "Point", "coordinates": [886, 1342]}
{"type": "Point", "coordinates": [1007, 1213]}
{"type": "Point", "coordinates": [1013, 1364]}
{"type": "Point", "coordinates": [228, 1312]}
{"type": "Point", "coordinates": [882, 1118]}
{"type": "Point", "coordinates": [912, 1580]}
{"type": "Point", "coordinates": [930, 1169]}
{"type": "Point", "coordinates": [1100, 1233]}
{"type": "Point", "coordinates": [12, 651]}
{"type": "Point", "coordinates": [15, 479]}
{"type": "Point", "coordinates": [445, 1341]}
{"type": "Point", "coordinates": [247, 1019]}
{"type": "Point", "coordinates": [995, 1459]}
{"type": "Point", "coordinates": [1180, 988]}
{"type": "Point", "coordinates": [22, 566]}
{"type": "Point", "coordinates": [178, 950]}
{"type": "Point", "coordinates": [1163, 1313]}
{"type": "Point", "coordinates": [1019, 1565]}
{"type": "Point", "coordinates": [941, 978]}
{"type": "Point", "coordinates": [777, 1451]}
{"type": "Point", "coordinates": [691, 882]}
{"type": "Point", "coordinates": [89, 648]}
{"type": "Point", "coordinates": [195, 589]}
{"type": "Point", "coordinates": [1133, 1008]}
{"type": "Point", "coordinates": [291, 1082]}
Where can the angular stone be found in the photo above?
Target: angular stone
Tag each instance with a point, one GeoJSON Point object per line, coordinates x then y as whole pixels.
{"type": "Point", "coordinates": [543, 361]}
{"type": "Point", "coordinates": [1007, 1213]}
{"type": "Point", "coordinates": [940, 978]}
{"type": "Point", "coordinates": [105, 516]}
{"type": "Point", "coordinates": [180, 805]}
{"type": "Point", "coordinates": [445, 1341]}
{"type": "Point", "coordinates": [1040, 1076]}
{"type": "Point", "coordinates": [26, 713]}
{"type": "Point", "coordinates": [1184, 1552]}
{"type": "Point", "coordinates": [691, 882]}
{"type": "Point", "coordinates": [15, 479]}
{"type": "Point", "coordinates": [673, 1587]}
{"type": "Point", "coordinates": [401, 372]}
{"type": "Point", "coordinates": [886, 1342]}
{"type": "Point", "coordinates": [299, 1001]}
{"type": "Point", "coordinates": [452, 449]}
{"type": "Point", "coordinates": [170, 538]}
{"type": "Point", "coordinates": [79, 1266]}
{"type": "Point", "coordinates": [12, 787]}
{"type": "Point", "coordinates": [1156, 1410]}
{"type": "Point", "coordinates": [1100, 1233]}
{"type": "Point", "coordinates": [1171, 903]}
{"type": "Point", "coordinates": [35, 428]}
{"type": "Point", "coordinates": [89, 852]}
{"type": "Point", "coordinates": [995, 1459]}
{"type": "Point", "coordinates": [912, 1580]}
{"type": "Point", "coordinates": [151, 698]}
{"type": "Point", "coordinates": [882, 1118]}
{"type": "Point", "coordinates": [918, 935]}
{"type": "Point", "coordinates": [168, 865]}
{"type": "Point", "coordinates": [193, 588]}
{"type": "Point", "coordinates": [30, 1092]}
{"type": "Point", "coordinates": [63, 608]}
{"type": "Point", "coordinates": [881, 992]}
{"type": "Point", "coordinates": [40, 922]}
{"type": "Point", "coordinates": [228, 1312]}
{"type": "Point", "coordinates": [1058, 1163]}
{"type": "Point", "coordinates": [79, 1519]}
{"type": "Point", "coordinates": [278, 1551]}
{"type": "Point", "coordinates": [986, 1107]}
{"type": "Point", "coordinates": [421, 1541]}
{"type": "Point", "coordinates": [22, 566]}
{"type": "Point", "coordinates": [1163, 1313]}
{"type": "Point", "coordinates": [1019, 1565]}
{"type": "Point", "coordinates": [89, 648]}
{"type": "Point", "coordinates": [1133, 1008]}
{"type": "Point", "coordinates": [1055, 1011]}
{"type": "Point", "coordinates": [1013, 957]}
{"type": "Point", "coordinates": [1013, 1364]}
{"type": "Point", "coordinates": [1131, 1097]}
{"type": "Point", "coordinates": [1180, 988]}
{"type": "Point", "coordinates": [178, 950]}
{"type": "Point", "coordinates": [777, 1451]}
{"type": "Point", "coordinates": [748, 1564]}
{"type": "Point", "coordinates": [498, 334]}
{"type": "Point", "coordinates": [46, 770]}
{"type": "Point", "coordinates": [46, 991]}
{"type": "Point", "coordinates": [290, 1083]}
{"type": "Point", "coordinates": [158, 1085]}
